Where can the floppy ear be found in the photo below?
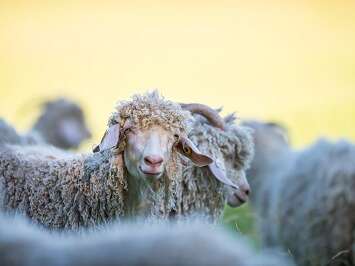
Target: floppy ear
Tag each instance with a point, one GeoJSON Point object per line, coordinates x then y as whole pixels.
{"type": "Point", "coordinates": [189, 150]}
{"type": "Point", "coordinates": [110, 138]}
{"type": "Point", "coordinates": [220, 174]}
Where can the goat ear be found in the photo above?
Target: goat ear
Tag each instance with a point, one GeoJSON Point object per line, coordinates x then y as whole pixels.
{"type": "Point", "coordinates": [220, 174]}
{"type": "Point", "coordinates": [110, 138]}
{"type": "Point", "coordinates": [188, 149]}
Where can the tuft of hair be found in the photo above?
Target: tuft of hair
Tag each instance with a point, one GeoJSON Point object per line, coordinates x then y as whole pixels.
{"type": "Point", "coordinates": [152, 109]}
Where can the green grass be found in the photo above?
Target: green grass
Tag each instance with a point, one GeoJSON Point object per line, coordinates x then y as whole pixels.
{"type": "Point", "coordinates": [241, 220]}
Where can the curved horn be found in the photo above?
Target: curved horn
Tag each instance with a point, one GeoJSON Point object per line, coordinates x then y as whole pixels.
{"type": "Point", "coordinates": [211, 115]}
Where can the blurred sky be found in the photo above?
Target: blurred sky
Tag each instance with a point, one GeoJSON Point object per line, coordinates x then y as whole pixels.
{"type": "Point", "coordinates": [290, 61]}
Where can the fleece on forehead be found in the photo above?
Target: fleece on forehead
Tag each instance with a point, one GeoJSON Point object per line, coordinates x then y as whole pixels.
{"type": "Point", "coordinates": [234, 144]}
{"type": "Point", "coordinates": [150, 109]}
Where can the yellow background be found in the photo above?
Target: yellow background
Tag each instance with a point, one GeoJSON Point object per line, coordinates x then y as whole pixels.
{"type": "Point", "coordinates": [290, 61]}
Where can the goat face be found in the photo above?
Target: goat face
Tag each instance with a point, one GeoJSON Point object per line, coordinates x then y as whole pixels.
{"type": "Point", "coordinates": [147, 151]}
{"type": "Point", "coordinates": [63, 124]}
{"type": "Point", "coordinates": [72, 131]}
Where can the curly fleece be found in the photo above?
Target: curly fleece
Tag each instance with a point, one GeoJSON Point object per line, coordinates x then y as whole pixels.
{"type": "Point", "coordinates": [151, 109]}
{"type": "Point", "coordinates": [60, 191]}
{"type": "Point", "coordinates": [232, 149]}
{"type": "Point", "coordinates": [305, 200]}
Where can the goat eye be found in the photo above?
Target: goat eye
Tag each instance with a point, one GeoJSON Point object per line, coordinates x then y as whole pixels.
{"type": "Point", "coordinates": [187, 150]}
{"type": "Point", "coordinates": [176, 137]}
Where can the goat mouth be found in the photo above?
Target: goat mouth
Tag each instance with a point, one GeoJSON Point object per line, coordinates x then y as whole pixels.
{"type": "Point", "coordinates": [241, 198]}
{"type": "Point", "coordinates": [149, 173]}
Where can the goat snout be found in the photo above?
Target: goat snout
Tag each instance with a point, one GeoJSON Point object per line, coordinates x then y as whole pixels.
{"type": "Point", "coordinates": [245, 188]}
{"type": "Point", "coordinates": [153, 160]}
{"type": "Point", "coordinates": [237, 197]}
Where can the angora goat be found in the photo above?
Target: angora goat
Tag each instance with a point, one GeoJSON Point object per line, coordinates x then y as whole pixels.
{"type": "Point", "coordinates": [305, 199]}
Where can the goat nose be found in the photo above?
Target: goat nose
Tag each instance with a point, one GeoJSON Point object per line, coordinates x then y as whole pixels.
{"type": "Point", "coordinates": [245, 188]}
{"type": "Point", "coordinates": [153, 160]}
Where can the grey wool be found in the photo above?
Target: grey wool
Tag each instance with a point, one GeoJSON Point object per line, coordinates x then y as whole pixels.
{"type": "Point", "coordinates": [232, 150]}
{"type": "Point", "coordinates": [140, 243]}
{"type": "Point", "coordinates": [60, 189]}
{"type": "Point", "coordinates": [61, 124]}
{"type": "Point", "coordinates": [305, 199]}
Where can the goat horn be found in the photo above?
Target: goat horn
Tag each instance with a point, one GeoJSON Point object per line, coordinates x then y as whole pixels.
{"type": "Point", "coordinates": [211, 115]}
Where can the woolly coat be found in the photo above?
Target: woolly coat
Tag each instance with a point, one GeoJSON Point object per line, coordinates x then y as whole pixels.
{"type": "Point", "coordinates": [64, 190]}
{"type": "Point", "coordinates": [306, 202]}
{"type": "Point", "coordinates": [145, 244]}
{"type": "Point", "coordinates": [60, 192]}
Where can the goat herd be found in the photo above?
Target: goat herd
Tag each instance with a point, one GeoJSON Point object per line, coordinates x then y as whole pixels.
{"type": "Point", "coordinates": [154, 188]}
